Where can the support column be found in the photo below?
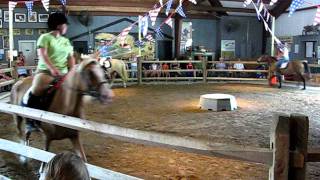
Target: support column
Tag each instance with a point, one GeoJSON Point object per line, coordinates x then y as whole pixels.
{"type": "Point", "coordinates": [11, 44]}
{"type": "Point", "coordinates": [273, 37]}
{"type": "Point", "coordinates": [177, 35]}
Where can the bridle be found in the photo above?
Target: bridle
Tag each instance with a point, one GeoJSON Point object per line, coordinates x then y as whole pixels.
{"type": "Point", "coordinates": [91, 91]}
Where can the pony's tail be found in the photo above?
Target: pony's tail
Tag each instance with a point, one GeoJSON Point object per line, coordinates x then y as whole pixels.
{"type": "Point", "coordinates": [307, 70]}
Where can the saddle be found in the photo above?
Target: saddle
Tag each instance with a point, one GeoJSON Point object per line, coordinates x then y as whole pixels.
{"type": "Point", "coordinates": [105, 62]}
{"type": "Point", "coordinates": [284, 65]}
{"type": "Point", "coordinates": [44, 100]}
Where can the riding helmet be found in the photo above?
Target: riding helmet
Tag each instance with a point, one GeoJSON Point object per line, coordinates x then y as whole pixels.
{"type": "Point", "coordinates": [56, 19]}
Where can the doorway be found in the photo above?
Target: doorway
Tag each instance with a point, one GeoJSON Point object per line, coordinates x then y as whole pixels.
{"type": "Point", "coordinates": [29, 50]}
{"type": "Point", "coordinates": [81, 47]}
{"type": "Point", "coordinates": [165, 50]}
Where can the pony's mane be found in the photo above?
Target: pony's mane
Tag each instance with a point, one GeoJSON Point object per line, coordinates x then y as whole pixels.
{"type": "Point", "coordinates": [86, 60]}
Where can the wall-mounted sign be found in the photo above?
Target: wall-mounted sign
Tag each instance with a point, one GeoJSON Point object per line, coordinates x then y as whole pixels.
{"type": "Point", "coordinates": [228, 48]}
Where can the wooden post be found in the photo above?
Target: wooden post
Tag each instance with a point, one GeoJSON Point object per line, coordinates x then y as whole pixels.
{"type": "Point", "coordinates": [299, 128]}
{"type": "Point", "coordinates": [139, 70]}
{"type": "Point", "coordinates": [279, 144]}
{"type": "Point", "coordinates": [14, 72]}
{"type": "Point", "coordinates": [204, 69]}
{"type": "Point", "coordinates": [11, 41]}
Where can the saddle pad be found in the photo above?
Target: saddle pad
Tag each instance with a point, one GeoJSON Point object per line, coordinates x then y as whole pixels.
{"type": "Point", "coordinates": [26, 97]}
{"type": "Point", "coordinates": [105, 63]}
{"type": "Point", "coordinates": [284, 65]}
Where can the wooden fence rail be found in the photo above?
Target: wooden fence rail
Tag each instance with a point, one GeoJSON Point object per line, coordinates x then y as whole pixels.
{"type": "Point", "coordinates": [45, 156]}
{"type": "Point", "coordinates": [287, 154]}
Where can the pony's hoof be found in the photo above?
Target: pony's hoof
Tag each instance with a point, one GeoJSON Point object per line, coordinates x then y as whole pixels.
{"type": "Point", "coordinates": [303, 89]}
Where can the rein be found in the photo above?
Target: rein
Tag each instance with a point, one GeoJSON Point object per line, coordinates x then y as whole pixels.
{"type": "Point", "coordinates": [57, 83]}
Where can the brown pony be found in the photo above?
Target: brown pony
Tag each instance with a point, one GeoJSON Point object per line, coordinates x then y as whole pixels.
{"type": "Point", "coordinates": [296, 68]}
{"type": "Point", "coordinates": [86, 78]}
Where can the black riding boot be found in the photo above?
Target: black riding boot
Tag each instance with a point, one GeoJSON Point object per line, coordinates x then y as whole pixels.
{"type": "Point", "coordinates": [33, 102]}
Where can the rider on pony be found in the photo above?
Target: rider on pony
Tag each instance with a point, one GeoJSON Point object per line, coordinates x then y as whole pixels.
{"type": "Point", "coordinates": [282, 55]}
{"type": "Point", "coordinates": [55, 60]}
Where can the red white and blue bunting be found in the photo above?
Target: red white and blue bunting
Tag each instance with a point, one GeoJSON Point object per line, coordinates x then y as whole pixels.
{"type": "Point", "coordinates": [45, 4]}
{"type": "Point", "coordinates": [29, 5]}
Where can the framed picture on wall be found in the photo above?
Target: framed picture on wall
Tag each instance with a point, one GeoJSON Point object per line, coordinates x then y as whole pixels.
{"type": "Point", "coordinates": [32, 17]}
{"type": "Point", "coordinates": [43, 17]}
{"type": "Point", "coordinates": [19, 17]}
{"type": "Point", "coordinates": [5, 16]}
{"type": "Point", "coordinates": [42, 31]}
{"type": "Point", "coordinates": [309, 49]}
{"type": "Point", "coordinates": [5, 41]}
{"type": "Point", "coordinates": [16, 32]}
{"type": "Point", "coordinates": [28, 32]}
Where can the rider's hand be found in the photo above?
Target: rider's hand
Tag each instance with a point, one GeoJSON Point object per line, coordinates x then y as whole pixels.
{"type": "Point", "coordinates": [55, 72]}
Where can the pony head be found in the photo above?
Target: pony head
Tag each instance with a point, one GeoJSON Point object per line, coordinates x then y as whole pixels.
{"type": "Point", "coordinates": [93, 80]}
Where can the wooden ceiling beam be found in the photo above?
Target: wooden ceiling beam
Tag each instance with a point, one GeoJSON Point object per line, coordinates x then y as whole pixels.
{"type": "Point", "coordinates": [217, 3]}
{"type": "Point", "coordinates": [280, 8]}
{"type": "Point", "coordinates": [221, 9]}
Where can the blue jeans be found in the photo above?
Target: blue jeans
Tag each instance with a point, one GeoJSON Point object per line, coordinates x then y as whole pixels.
{"type": "Point", "coordinates": [281, 61]}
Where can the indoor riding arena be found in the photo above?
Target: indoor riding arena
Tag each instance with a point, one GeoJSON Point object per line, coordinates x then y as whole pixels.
{"type": "Point", "coordinates": [179, 90]}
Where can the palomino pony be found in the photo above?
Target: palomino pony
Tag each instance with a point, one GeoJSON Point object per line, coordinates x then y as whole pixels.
{"type": "Point", "coordinates": [115, 67]}
{"type": "Point", "coordinates": [296, 68]}
{"type": "Point", "coordinates": [87, 78]}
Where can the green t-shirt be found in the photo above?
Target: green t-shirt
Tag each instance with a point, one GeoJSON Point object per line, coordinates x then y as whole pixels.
{"type": "Point", "coordinates": [58, 50]}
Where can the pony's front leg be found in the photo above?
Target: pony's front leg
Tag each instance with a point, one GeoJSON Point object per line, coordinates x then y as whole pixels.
{"type": "Point", "coordinates": [78, 147]}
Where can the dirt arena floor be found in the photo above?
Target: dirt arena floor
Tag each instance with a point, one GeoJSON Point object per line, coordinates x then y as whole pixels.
{"type": "Point", "coordinates": [173, 109]}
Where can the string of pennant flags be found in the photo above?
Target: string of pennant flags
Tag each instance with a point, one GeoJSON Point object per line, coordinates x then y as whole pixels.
{"type": "Point", "coordinates": [152, 15]}
{"type": "Point", "coordinates": [259, 6]}
{"type": "Point", "coordinates": [29, 4]}
{"type": "Point", "coordinates": [144, 20]}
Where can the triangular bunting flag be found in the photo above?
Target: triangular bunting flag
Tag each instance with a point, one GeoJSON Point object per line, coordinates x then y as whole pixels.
{"type": "Point", "coordinates": [29, 5]}
{"type": "Point", "coordinates": [144, 24]}
{"type": "Point", "coordinates": [317, 18]}
{"type": "Point", "coordinates": [45, 4]}
{"type": "Point", "coordinates": [169, 22]}
{"type": "Point", "coordinates": [139, 43]}
{"type": "Point", "coordinates": [153, 15]}
{"type": "Point", "coordinates": [193, 1]}
{"type": "Point", "coordinates": [63, 2]}
{"type": "Point", "coordinates": [124, 34]}
{"type": "Point", "coordinates": [149, 38]}
{"type": "Point", "coordinates": [159, 34]}
{"type": "Point", "coordinates": [12, 5]}
{"type": "Point", "coordinates": [266, 26]}
{"type": "Point", "coordinates": [261, 7]}
{"type": "Point", "coordinates": [180, 2]}
{"type": "Point", "coordinates": [180, 11]}
{"type": "Point", "coordinates": [246, 3]}
{"type": "Point", "coordinates": [294, 6]}
{"type": "Point", "coordinates": [169, 4]}
{"type": "Point", "coordinates": [161, 2]}
{"type": "Point", "coordinates": [272, 2]}
{"type": "Point", "coordinates": [268, 17]}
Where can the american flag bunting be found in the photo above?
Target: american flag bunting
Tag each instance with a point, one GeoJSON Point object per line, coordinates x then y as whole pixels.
{"type": "Point", "coordinates": [63, 2]}
{"type": "Point", "coordinates": [154, 14]}
{"type": "Point", "coordinates": [317, 18]}
{"type": "Point", "coordinates": [169, 22]}
{"type": "Point", "coordinates": [29, 5]}
{"type": "Point", "coordinates": [159, 34]}
{"type": "Point", "coordinates": [124, 34]}
{"type": "Point", "coordinates": [180, 11]}
{"type": "Point", "coordinates": [12, 5]}
{"type": "Point", "coordinates": [169, 4]}
{"type": "Point", "coordinates": [45, 4]}
{"type": "Point", "coordinates": [294, 6]}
